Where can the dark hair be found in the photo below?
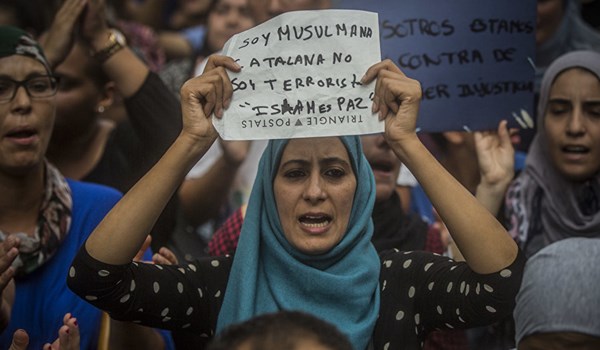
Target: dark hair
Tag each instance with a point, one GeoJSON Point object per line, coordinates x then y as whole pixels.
{"type": "Point", "coordinates": [281, 330]}
{"type": "Point", "coordinates": [33, 16]}
{"type": "Point", "coordinates": [205, 50]}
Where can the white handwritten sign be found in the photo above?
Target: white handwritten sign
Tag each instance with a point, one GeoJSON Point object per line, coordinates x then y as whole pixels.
{"type": "Point", "coordinates": [301, 76]}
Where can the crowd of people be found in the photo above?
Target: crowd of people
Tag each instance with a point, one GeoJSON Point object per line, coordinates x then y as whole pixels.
{"type": "Point", "coordinates": [126, 222]}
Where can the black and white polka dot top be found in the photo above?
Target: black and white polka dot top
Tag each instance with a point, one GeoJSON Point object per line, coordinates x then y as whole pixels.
{"type": "Point", "coordinates": [420, 292]}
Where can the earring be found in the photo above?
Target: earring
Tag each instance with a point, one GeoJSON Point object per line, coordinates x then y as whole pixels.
{"type": "Point", "coordinates": [100, 109]}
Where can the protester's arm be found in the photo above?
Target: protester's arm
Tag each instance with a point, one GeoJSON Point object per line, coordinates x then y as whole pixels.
{"type": "Point", "coordinates": [123, 67]}
{"type": "Point", "coordinates": [118, 237]}
{"type": "Point", "coordinates": [496, 159]}
{"type": "Point", "coordinates": [175, 45]}
{"type": "Point", "coordinates": [202, 197]}
{"type": "Point", "coordinates": [486, 246]}
{"type": "Point", "coordinates": [128, 335]}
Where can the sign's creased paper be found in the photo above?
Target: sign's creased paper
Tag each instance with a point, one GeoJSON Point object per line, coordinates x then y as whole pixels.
{"type": "Point", "coordinates": [301, 75]}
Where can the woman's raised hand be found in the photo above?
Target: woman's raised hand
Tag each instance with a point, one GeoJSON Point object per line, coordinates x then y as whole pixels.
{"type": "Point", "coordinates": [396, 100]}
{"type": "Point", "coordinates": [495, 155]}
{"type": "Point", "coordinates": [57, 41]}
{"type": "Point", "coordinates": [94, 24]}
{"type": "Point", "coordinates": [496, 159]}
{"type": "Point", "coordinates": [206, 94]}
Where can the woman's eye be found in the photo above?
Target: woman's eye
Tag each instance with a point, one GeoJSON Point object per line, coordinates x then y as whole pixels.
{"type": "Point", "coordinates": [595, 114]}
{"type": "Point", "coordinates": [6, 86]}
{"type": "Point", "coordinates": [335, 172]}
{"type": "Point", "coordinates": [39, 86]}
{"type": "Point", "coordinates": [594, 111]}
{"type": "Point", "coordinates": [295, 173]}
{"type": "Point", "coordinates": [221, 10]}
{"type": "Point", "coordinates": [558, 111]}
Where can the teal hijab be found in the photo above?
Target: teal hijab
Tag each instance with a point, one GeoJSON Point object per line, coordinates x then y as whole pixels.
{"type": "Point", "coordinates": [269, 274]}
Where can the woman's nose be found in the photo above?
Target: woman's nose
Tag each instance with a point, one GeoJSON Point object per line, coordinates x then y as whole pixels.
{"type": "Point", "coordinates": [575, 126]}
{"type": "Point", "coordinates": [315, 190]}
{"type": "Point", "coordinates": [21, 101]}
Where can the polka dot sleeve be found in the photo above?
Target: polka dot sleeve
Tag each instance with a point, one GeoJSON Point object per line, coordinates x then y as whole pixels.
{"type": "Point", "coordinates": [421, 292]}
{"type": "Point", "coordinates": [162, 296]}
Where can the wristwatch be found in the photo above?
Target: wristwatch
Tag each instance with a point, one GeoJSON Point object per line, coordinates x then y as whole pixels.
{"type": "Point", "coordinates": [116, 41]}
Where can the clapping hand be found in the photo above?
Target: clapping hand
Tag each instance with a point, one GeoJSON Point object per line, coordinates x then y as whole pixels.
{"type": "Point", "coordinates": [58, 40]}
{"type": "Point", "coordinates": [68, 337]}
{"type": "Point", "coordinates": [164, 256]}
{"type": "Point", "coordinates": [8, 253]}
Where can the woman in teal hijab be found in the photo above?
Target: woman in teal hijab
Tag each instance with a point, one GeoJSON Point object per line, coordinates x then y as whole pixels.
{"type": "Point", "coordinates": [305, 244]}
{"type": "Point", "coordinates": [278, 277]}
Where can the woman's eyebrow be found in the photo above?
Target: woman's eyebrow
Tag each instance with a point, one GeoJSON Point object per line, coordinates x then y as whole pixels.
{"type": "Point", "coordinates": [592, 103]}
{"type": "Point", "coordinates": [297, 161]}
{"type": "Point", "coordinates": [559, 100]}
{"type": "Point", "coordinates": [334, 160]}
{"type": "Point", "coordinates": [323, 161]}
{"type": "Point", "coordinates": [28, 76]}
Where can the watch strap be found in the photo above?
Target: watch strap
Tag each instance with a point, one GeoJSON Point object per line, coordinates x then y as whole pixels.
{"type": "Point", "coordinates": [113, 47]}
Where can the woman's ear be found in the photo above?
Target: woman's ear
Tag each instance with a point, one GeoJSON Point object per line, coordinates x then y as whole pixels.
{"type": "Point", "coordinates": [107, 96]}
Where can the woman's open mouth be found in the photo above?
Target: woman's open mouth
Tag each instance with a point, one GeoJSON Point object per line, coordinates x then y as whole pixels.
{"type": "Point", "coordinates": [314, 222]}
{"type": "Point", "coordinates": [22, 136]}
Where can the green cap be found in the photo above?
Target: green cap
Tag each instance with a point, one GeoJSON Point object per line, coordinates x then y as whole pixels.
{"type": "Point", "coordinates": [15, 41]}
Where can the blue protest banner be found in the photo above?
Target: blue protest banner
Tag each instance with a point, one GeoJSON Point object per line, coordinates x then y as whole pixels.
{"type": "Point", "coordinates": [474, 58]}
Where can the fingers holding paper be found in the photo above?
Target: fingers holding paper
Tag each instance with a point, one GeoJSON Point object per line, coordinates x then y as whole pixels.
{"type": "Point", "coordinates": [396, 99]}
{"type": "Point", "coordinates": [207, 94]}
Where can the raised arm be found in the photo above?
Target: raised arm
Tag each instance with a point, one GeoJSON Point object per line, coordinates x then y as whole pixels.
{"type": "Point", "coordinates": [202, 197]}
{"type": "Point", "coordinates": [486, 246]}
{"type": "Point", "coordinates": [118, 237]}
{"type": "Point", "coordinates": [496, 159]}
{"type": "Point", "coordinates": [123, 67]}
